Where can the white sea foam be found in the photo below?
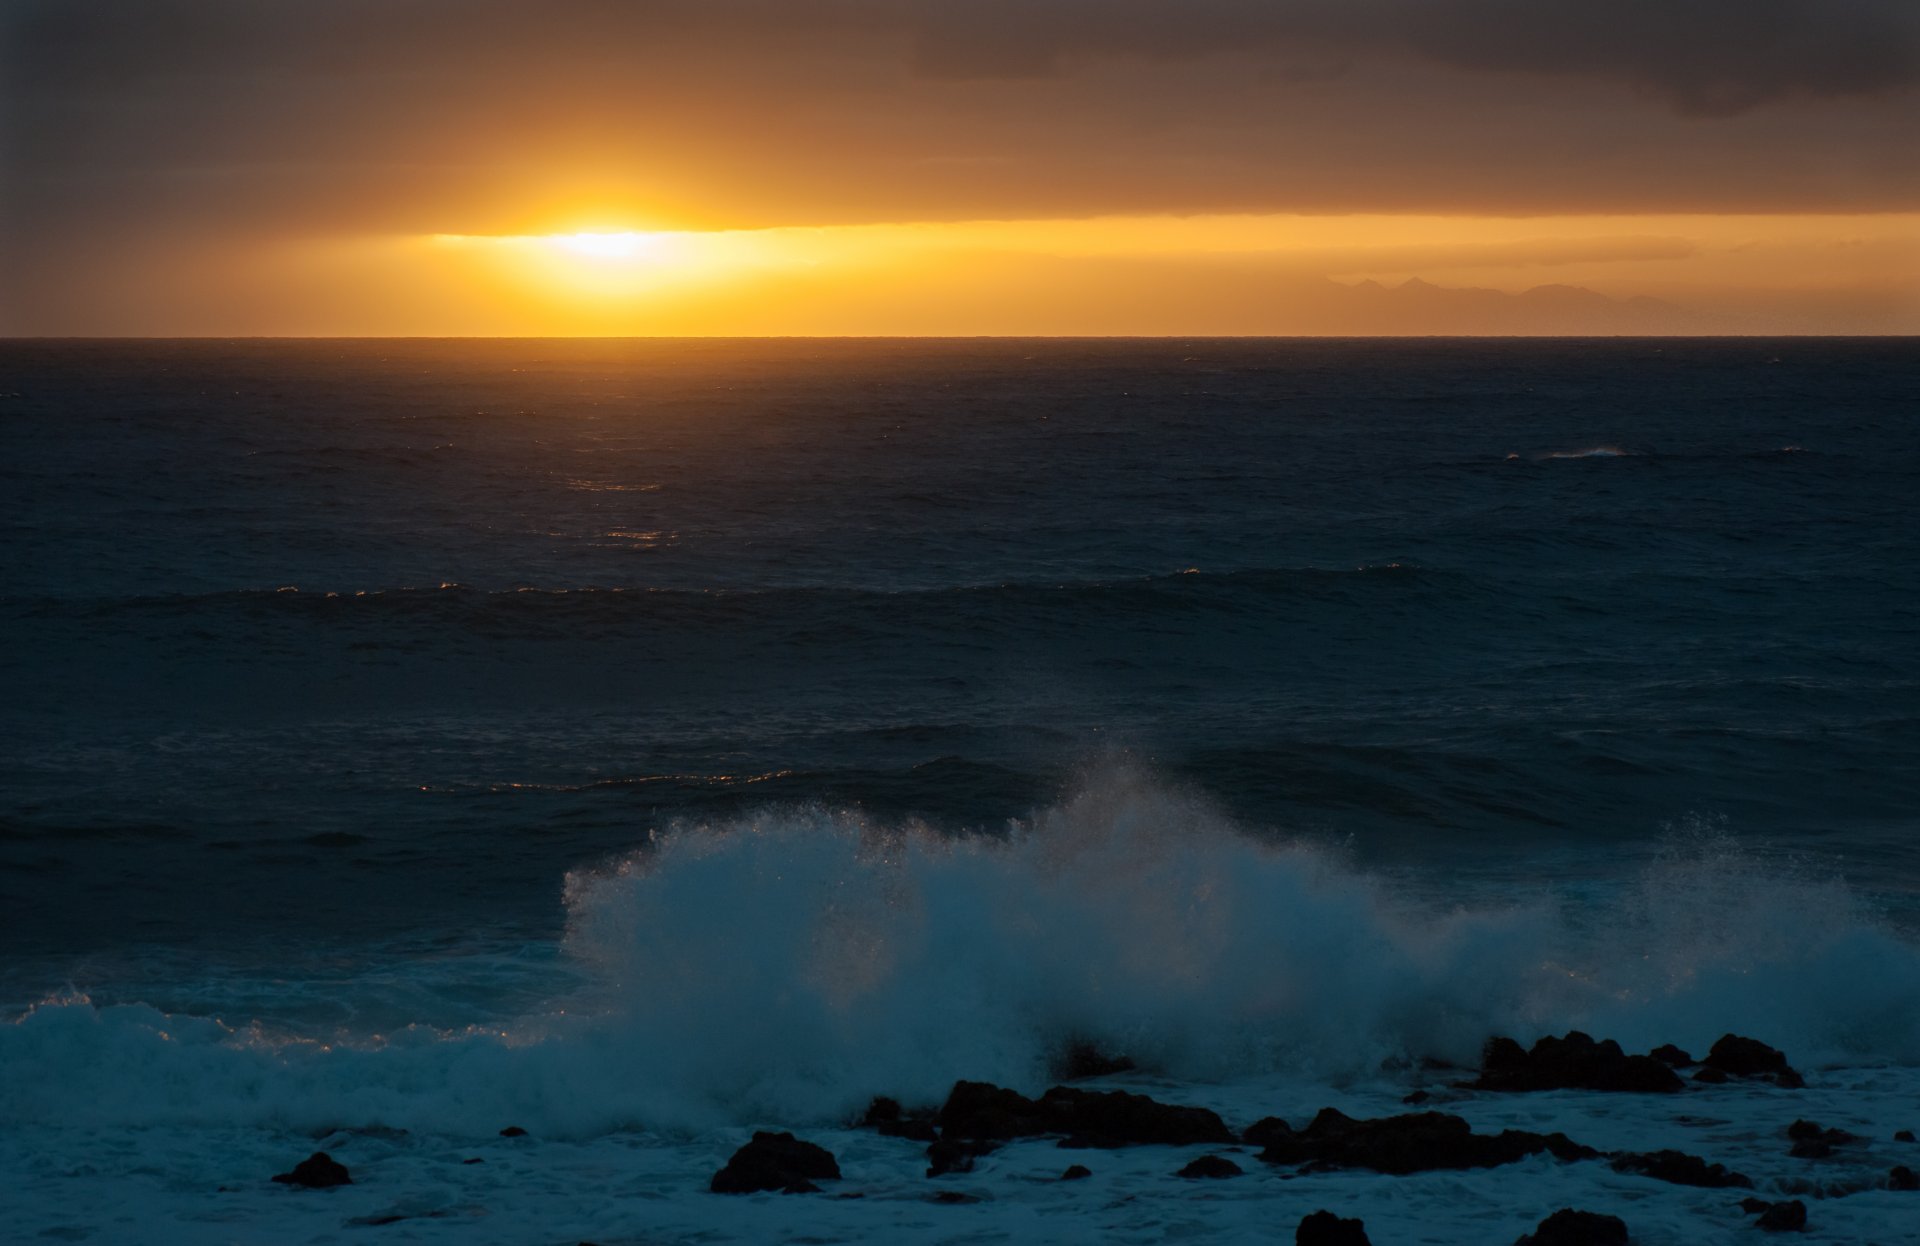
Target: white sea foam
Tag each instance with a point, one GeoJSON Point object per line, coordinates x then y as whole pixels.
{"type": "Point", "coordinates": [785, 967]}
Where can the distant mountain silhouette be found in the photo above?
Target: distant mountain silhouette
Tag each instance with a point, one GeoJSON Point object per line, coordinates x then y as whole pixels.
{"type": "Point", "coordinates": [1418, 307]}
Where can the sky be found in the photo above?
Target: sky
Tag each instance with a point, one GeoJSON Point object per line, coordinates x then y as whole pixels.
{"type": "Point", "coordinates": [481, 167]}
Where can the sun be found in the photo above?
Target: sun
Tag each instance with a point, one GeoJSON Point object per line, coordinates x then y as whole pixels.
{"type": "Point", "coordinates": [611, 246]}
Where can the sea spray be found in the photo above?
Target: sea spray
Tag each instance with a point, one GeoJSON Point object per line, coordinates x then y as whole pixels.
{"type": "Point", "coordinates": [785, 966]}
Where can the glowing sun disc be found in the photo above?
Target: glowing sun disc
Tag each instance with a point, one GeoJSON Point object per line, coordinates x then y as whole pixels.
{"type": "Point", "coordinates": [603, 246]}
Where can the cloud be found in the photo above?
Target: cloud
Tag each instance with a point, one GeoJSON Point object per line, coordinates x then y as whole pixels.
{"type": "Point", "coordinates": [1705, 57]}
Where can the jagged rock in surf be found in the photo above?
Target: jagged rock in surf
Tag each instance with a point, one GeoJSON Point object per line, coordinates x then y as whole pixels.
{"type": "Point", "coordinates": [983, 1110]}
{"type": "Point", "coordinates": [885, 1116]}
{"type": "Point", "coordinates": [1417, 1142]}
{"type": "Point", "coordinates": [1903, 1135]}
{"type": "Point", "coordinates": [1810, 1141]}
{"type": "Point", "coordinates": [956, 1155]}
{"type": "Point", "coordinates": [776, 1161]}
{"type": "Point", "coordinates": [1679, 1168]}
{"type": "Point", "coordinates": [1082, 1060]}
{"type": "Point", "coordinates": [1089, 1118]}
{"type": "Point", "coordinates": [1575, 1062]}
{"type": "Point", "coordinates": [1903, 1178]}
{"type": "Point", "coordinates": [318, 1171]}
{"type": "Point", "coordinates": [1708, 1076]}
{"type": "Point", "coordinates": [1076, 1172]}
{"type": "Point", "coordinates": [1266, 1131]}
{"type": "Point", "coordinates": [1749, 1057]}
{"type": "Point", "coordinates": [1668, 1054]}
{"type": "Point", "coordinates": [1568, 1227]}
{"type": "Point", "coordinates": [955, 1196]}
{"type": "Point", "coordinates": [1784, 1217]}
{"type": "Point", "coordinates": [1323, 1228]}
{"type": "Point", "coordinates": [1210, 1167]}
{"type": "Point", "coordinates": [513, 1131]}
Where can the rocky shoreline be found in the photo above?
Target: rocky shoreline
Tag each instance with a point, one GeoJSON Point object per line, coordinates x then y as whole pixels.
{"type": "Point", "coordinates": [978, 1119]}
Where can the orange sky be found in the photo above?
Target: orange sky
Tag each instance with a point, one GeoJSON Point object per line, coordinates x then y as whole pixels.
{"type": "Point", "coordinates": [904, 166]}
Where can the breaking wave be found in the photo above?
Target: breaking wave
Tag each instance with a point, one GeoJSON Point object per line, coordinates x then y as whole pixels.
{"type": "Point", "coordinates": [785, 967]}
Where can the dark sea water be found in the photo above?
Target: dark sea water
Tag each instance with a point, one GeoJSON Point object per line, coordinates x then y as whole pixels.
{"type": "Point", "coordinates": [354, 685]}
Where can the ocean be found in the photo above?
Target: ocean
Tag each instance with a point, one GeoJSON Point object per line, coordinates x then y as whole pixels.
{"type": "Point", "coordinates": [640, 743]}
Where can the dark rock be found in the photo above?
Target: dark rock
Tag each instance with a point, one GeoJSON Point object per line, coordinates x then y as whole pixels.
{"type": "Point", "coordinates": [1575, 1062]}
{"type": "Point", "coordinates": [1903, 1178]}
{"type": "Point", "coordinates": [1904, 1135]}
{"type": "Point", "coordinates": [980, 1110]}
{"type": "Point", "coordinates": [1116, 1118]}
{"type": "Point", "coordinates": [1784, 1217]}
{"type": "Point", "coordinates": [1210, 1166]}
{"type": "Point", "coordinates": [773, 1161]}
{"type": "Point", "coordinates": [1265, 1131]}
{"type": "Point", "coordinates": [1668, 1054]}
{"type": "Point", "coordinates": [1082, 1059]}
{"type": "Point", "coordinates": [1810, 1141]}
{"type": "Point", "coordinates": [885, 1117]}
{"type": "Point", "coordinates": [475, 1160]}
{"type": "Point", "coordinates": [316, 1172]}
{"type": "Point", "coordinates": [1754, 1206]}
{"type": "Point", "coordinates": [513, 1131]}
{"type": "Point", "coordinates": [1747, 1057]}
{"type": "Point", "coordinates": [1416, 1098]}
{"type": "Point", "coordinates": [1323, 1228]}
{"type": "Point", "coordinates": [1568, 1227]}
{"type": "Point", "coordinates": [1078, 1172]}
{"type": "Point", "coordinates": [1680, 1169]}
{"type": "Point", "coordinates": [1417, 1142]}
{"type": "Point", "coordinates": [1711, 1077]}
{"type": "Point", "coordinates": [1089, 1118]}
{"type": "Point", "coordinates": [955, 1196]}
{"type": "Point", "coordinates": [956, 1155]}
{"type": "Point", "coordinates": [1805, 1130]}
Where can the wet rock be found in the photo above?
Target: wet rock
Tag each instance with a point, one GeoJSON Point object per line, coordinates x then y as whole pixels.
{"type": "Point", "coordinates": [1265, 1131]}
{"type": "Point", "coordinates": [884, 1116]}
{"type": "Point", "coordinates": [1417, 1098]}
{"type": "Point", "coordinates": [1210, 1167]}
{"type": "Point", "coordinates": [1754, 1206]}
{"type": "Point", "coordinates": [1323, 1228]}
{"type": "Point", "coordinates": [1082, 1059]}
{"type": "Point", "coordinates": [981, 1110]}
{"type": "Point", "coordinates": [955, 1196]}
{"type": "Point", "coordinates": [1748, 1057]}
{"type": "Point", "coordinates": [318, 1171]}
{"type": "Point", "coordinates": [1680, 1168]}
{"type": "Point", "coordinates": [1089, 1118]}
{"type": "Point", "coordinates": [1672, 1056]}
{"type": "Point", "coordinates": [1904, 1135]}
{"type": "Point", "coordinates": [1115, 1118]}
{"type": "Point", "coordinates": [1568, 1227]}
{"type": "Point", "coordinates": [1903, 1178]}
{"type": "Point", "coordinates": [1076, 1172]}
{"type": "Point", "coordinates": [513, 1131]}
{"type": "Point", "coordinates": [1575, 1062]}
{"type": "Point", "coordinates": [1810, 1141]}
{"type": "Point", "coordinates": [1784, 1217]}
{"type": "Point", "coordinates": [1417, 1142]}
{"type": "Point", "coordinates": [956, 1155]}
{"type": "Point", "coordinates": [1711, 1077]}
{"type": "Point", "coordinates": [776, 1161]}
